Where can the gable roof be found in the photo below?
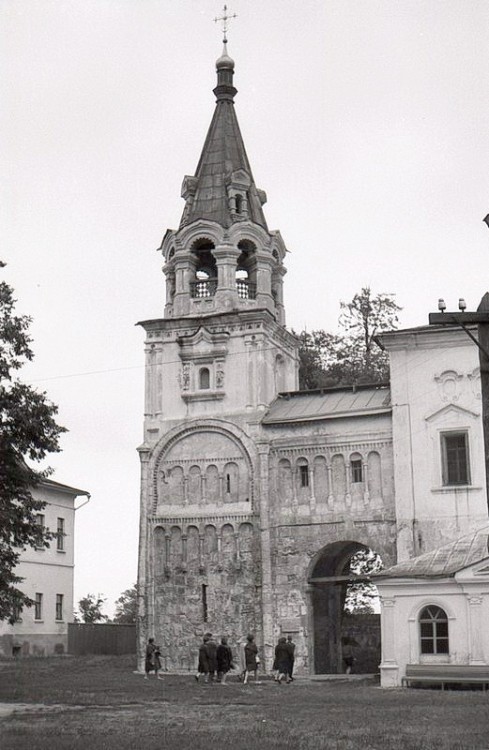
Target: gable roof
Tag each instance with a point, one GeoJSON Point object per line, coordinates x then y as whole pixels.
{"type": "Point", "coordinates": [329, 403]}
{"type": "Point", "coordinates": [445, 561]}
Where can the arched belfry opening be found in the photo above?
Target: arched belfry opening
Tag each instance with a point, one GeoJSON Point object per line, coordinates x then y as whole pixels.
{"type": "Point", "coordinates": [346, 624]}
{"type": "Point", "coordinates": [204, 283]}
{"type": "Point", "coordinates": [246, 270]}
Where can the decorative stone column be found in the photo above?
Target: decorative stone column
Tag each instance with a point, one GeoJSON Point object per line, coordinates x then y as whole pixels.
{"type": "Point", "coordinates": [389, 669]}
{"type": "Point", "coordinates": [476, 625]}
{"type": "Point", "coordinates": [366, 495]}
{"type": "Point", "coordinates": [145, 602]}
{"type": "Point", "coordinates": [309, 633]}
{"type": "Point", "coordinates": [266, 555]}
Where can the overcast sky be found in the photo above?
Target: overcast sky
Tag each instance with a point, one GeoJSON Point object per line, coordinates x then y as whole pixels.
{"type": "Point", "coordinates": [365, 121]}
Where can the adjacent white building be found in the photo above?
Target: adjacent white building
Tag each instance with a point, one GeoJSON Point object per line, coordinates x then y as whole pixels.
{"type": "Point", "coordinates": [48, 579]}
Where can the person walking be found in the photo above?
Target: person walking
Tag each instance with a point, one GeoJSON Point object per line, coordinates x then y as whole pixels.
{"type": "Point", "coordinates": [152, 661]}
{"type": "Point", "coordinates": [203, 664]}
{"type": "Point", "coordinates": [211, 649]}
{"type": "Point", "coordinates": [291, 650]}
{"type": "Point", "coordinates": [282, 660]}
{"type": "Point", "coordinates": [251, 658]}
{"type": "Point", "coordinates": [224, 660]}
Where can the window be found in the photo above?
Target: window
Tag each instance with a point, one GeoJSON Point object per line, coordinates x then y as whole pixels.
{"type": "Point", "coordinates": [455, 458]}
{"type": "Point", "coordinates": [433, 628]}
{"type": "Point", "coordinates": [41, 523]}
{"type": "Point", "coordinates": [40, 519]}
{"type": "Point", "coordinates": [60, 535]}
{"type": "Point", "coordinates": [356, 470]}
{"type": "Point", "coordinates": [59, 606]}
{"type": "Point", "coordinates": [205, 614]}
{"type": "Point", "coordinates": [304, 474]}
{"type": "Point", "coordinates": [38, 607]}
{"type": "Point", "coordinates": [204, 378]}
{"type": "Point", "coordinates": [228, 483]}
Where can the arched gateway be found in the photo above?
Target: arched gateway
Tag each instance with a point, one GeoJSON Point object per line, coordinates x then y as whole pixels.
{"type": "Point", "coordinates": [329, 579]}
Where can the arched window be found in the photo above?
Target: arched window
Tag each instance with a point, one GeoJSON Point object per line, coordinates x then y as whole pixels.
{"type": "Point", "coordinates": [205, 282]}
{"type": "Point", "coordinates": [239, 203]}
{"type": "Point", "coordinates": [433, 630]}
{"type": "Point", "coordinates": [204, 378]}
{"type": "Point", "coordinates": [246, 270]}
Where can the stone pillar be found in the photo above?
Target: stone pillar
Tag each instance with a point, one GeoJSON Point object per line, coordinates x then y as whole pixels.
{"type": "Point", "coordinates": [366, 496]}
{"type": "Point", "coordinates": [348, 482]}
{"type": "Point", "coordinates": [309, 633]}
{"type": "Point", "coordinates": [476, 625]}
{"type": "Point", "coordinates": [389, 669]}
{"type": "Point", "coordinates": [330, 486]}
{"type": "Point", "coordinates": [266, 555]}
{"type": "Point", "coordinates": [311, 485]}
{"type": "Point", "coordinates": [145, 602]}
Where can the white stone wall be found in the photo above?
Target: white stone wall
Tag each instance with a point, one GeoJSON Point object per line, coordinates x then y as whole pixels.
{"type": "Point", "coordinates": [465, 599]}
{"type": "Point", "coordinates": [435, 385]}
{"type": "Point", "coordinates": [49, 572]}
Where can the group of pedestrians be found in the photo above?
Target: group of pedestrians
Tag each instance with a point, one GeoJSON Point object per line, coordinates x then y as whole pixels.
{"type": "Point", "coordinates": [283, 665]}
{"type": "Point", "coordinates": [216, 661]}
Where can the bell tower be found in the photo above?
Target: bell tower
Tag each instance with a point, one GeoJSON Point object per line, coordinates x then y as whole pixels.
{"type": "Point", "coordinates": [223, 258]}
{"type": "Point", "coordinates": [214, 364]}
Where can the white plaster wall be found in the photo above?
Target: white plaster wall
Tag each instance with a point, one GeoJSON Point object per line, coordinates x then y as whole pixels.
{"type": "Point", "coordinates": [401, 603]}
{"type": "Point", "coordinates": [423, 406]}
{"type": "Point", "coordinates": [46, 571]}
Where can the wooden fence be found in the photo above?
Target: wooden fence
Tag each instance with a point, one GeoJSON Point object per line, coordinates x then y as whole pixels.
{"type": "Point", "coordinates": [105, 638]}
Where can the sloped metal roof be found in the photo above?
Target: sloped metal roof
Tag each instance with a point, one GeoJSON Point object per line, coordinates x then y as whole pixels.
{"type": "Point", "coordinates": [445, 561]}
{"type": "Point", "coordinates": [223, 153]}
{"type": "Point", "coordinates": [333, 403]}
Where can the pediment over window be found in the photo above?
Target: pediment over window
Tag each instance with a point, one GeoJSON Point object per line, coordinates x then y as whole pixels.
{"type": "Point", "coordinates": [451, 414]}
{"type": "Point", "coordinates": [203, 344]}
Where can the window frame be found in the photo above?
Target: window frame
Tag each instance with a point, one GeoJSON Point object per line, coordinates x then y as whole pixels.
{"type": "Point", "coordinates": [356, 467]}
{"type": "Point", "coordinates": [437, 617]}
{"type": "Point", "coordinates": [60, 535]}
{"type": "Point", "coordinates": [59, 607]}
{"type": "Point", "coordinates": [304, 478]}
{"type": "Point", "coordinates": [204, 372]}
{"type": "Point", "coordinates": [449, 466]}
{"type": "Point", "coordinates": [38, 606]}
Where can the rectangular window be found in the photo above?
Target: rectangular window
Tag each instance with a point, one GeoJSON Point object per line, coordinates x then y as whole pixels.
{"type": "Point", "coordinates": [228, 483]}
{"type": "Point", "coordinates": [455, 458]}
{"type": "Point", "coordinates": [59, 606]}
{"type": "Point", "coordinates": [304, 476]}
{"type": "Point", "coordinates": [38, 607]}
{"type": "Point", "coordinates": [41, 522]}
{"type": "Point", "coordinates": [356, 471]}
{"type": "Point", "coordinates": [60, 535]}
{"type": "Point", "coordinates": [205, 614]}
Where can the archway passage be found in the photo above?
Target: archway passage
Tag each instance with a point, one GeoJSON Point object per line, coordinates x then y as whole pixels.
{"type": "Point", "coordinates": [338, 633]}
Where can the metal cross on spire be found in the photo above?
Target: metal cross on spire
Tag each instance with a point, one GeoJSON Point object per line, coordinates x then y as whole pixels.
{"type": "Point", "coordinates": [225, 18]}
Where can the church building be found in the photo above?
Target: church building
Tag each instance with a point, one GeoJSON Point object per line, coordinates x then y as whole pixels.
{"type": "Point", "coordinates": [255, 495]}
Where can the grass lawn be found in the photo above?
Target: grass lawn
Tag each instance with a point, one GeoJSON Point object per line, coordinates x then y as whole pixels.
{"type": "Point", "coordinates": [98, 703]}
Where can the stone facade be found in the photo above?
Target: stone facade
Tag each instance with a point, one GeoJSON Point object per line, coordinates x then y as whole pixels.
{"type": "Point", "coordinates": [255, 496]}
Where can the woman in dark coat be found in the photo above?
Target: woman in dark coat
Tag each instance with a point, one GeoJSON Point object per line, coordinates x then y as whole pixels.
{"type": "Point", "coordinates": [224, 660]}
{"type": "Point", "coordinates": [203, 665]}
{"type": "Point", "coordinates": [251, 658]}
{"type": "Point", "coordinates": [282, 660]}
{"type": "Point", "coordinates": [152, 661]}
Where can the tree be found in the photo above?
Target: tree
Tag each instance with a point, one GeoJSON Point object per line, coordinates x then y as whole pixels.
{"type": "Point", "coordinates": [352, 355]}
{"type": "Point", "coordinates": [28, 432]}
{"type": "Point", "coordinates": [362, 597]}
{"type": "Point", "coordinates": [90, 608]}
{"type": "Point", "coordinates": [126, 606]}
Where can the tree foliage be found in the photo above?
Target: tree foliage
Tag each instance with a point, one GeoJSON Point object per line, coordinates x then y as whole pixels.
{"type": "Point", "coordinates": [362, 597]}
{"type": "Point", "coordinates": [28, 432]}
{"type": "Point", "coordinates": [126, 606]}
{"type": "Point", "coordinates": [90, 609]}
{"type": "Point", "coordinates": [351, 355]}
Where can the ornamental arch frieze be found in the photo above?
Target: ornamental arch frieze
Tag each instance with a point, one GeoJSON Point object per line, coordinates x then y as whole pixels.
{"type": "Point", "coordinates": [205, 468]}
